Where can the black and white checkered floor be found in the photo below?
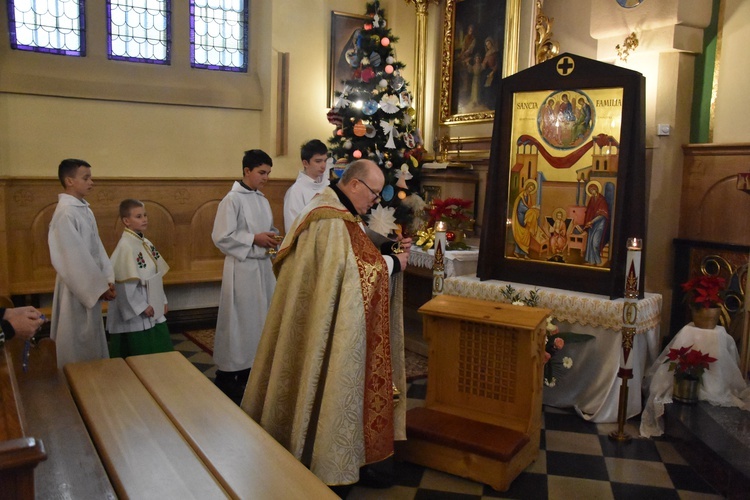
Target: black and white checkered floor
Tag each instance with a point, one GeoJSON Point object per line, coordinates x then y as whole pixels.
{"type": "Point", "coordinates": [577, 460]}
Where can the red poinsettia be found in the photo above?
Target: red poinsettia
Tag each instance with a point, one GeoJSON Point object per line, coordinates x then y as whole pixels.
{"type": "Point", "coordinates": [451, 210]}
{"type": "Point", "coordinates": [704, 291]}
{"type": "Point", "coordinates": [687, 362]}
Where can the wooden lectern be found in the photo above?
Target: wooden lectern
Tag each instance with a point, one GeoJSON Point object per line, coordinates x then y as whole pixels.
{"type": "Point", "coordinates": [483, 411]}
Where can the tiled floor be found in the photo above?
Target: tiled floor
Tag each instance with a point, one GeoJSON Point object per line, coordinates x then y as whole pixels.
{"type": "Point", "coordinates": [577, 460]}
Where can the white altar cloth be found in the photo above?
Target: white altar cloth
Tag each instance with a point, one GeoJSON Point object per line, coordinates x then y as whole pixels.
{"type": "Point", "coordinates": [722, 384]}
{"type": "Point", "coordinates": [457, 262]}
{"type": "Point", "coordinates": [591, 386]}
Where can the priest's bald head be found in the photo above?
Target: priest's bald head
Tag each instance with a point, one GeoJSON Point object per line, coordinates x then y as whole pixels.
{"type": "Point", "coordinates": [362, 182]}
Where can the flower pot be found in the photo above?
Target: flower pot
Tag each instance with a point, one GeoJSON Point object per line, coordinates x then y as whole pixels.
{"type": "Point", "coordinates": [706, 317]}
{"type": "Point", "coordinates": [685, 390]}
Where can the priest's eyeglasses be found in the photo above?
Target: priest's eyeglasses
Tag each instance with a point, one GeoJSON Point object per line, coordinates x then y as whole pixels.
{"type": "Point", "coordinates": [378, 198]}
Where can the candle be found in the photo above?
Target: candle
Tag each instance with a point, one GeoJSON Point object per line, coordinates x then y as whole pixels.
{"type": "Point", "coordinates": [633, 267]}
{"type": "Point", "coordinates": [440, 228]}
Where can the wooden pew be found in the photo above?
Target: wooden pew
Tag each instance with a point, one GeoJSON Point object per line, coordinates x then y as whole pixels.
{"type": "Point", "coordinates": [245, 459]}
{"type": "Point", "coordinates": [19, 452]}
{"type": "Point", "coordinates": [72, 468]}
{"type": "Point", "coordinates": [144, 454]}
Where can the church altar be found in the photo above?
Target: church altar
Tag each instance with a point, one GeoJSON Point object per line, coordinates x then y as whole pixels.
{"type": "Point", "coordinates": [457, 262]}
{"type": "Point", "coordinates": [722, 384]}
{"type": "Point", "coordinates": [591, 385]}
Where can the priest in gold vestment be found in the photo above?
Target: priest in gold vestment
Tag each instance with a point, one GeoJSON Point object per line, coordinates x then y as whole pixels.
{"type": "Point", "coordinates": [332, 349]}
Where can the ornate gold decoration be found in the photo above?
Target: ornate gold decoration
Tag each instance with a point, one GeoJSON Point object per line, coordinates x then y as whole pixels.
{"type": "Point", "coordinates": [438, 272]}
{"type": "Point", "coordinates": [510, 60]}
{"type": "Point", "coordinates": [420, 51]}
{"type": "Point", "coordinates": [628, 46]}
{"type": "Point", "coordinates": [546, 48]}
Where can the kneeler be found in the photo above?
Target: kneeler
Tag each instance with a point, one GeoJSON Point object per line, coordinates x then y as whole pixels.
{"type": "Point", "coordinates": [483, 411]}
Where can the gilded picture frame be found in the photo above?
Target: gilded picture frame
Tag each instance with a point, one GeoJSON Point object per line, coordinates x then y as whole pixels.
{"type": "Point", "coordinates": [343, 32]}
{"type": "Point", "coordinates": [480, 47]}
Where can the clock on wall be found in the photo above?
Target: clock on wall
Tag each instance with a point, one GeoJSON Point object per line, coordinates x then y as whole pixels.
{"type": "Point", "coordinates": [629, 4]}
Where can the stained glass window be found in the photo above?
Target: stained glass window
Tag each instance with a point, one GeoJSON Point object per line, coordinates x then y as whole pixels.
{"type": "Point", "coordinates": [139, 30]}
{"type": "Point", "coordinates": [218, 34]}
{"type": "Point", "coordinates": [52, 26]}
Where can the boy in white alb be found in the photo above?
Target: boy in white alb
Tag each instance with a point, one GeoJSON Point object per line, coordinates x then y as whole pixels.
{"type": "Point", "coordinates": [136, 320]}
{"type": "Point", "coordinates": [312, 180]}
{"type": "Point", "coordinates": [244, 232]}
{"type": "Point", "coordinates": [84, 272]}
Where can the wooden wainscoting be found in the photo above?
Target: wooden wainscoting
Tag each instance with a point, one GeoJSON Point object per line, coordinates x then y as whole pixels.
{"type": "Point", "coordinates": [181, 216]}
{"type": "Point", "coordinates": [712, 207]}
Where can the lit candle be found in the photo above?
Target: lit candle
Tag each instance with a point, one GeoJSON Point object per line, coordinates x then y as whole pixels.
{"type": "Point", "coordinates": [440, 228]}
{"type": "Point", "coordinates": [633, 267]}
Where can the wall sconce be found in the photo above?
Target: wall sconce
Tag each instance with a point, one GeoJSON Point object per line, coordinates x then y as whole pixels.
{"type": "Point", "coordinates": [628, 46]}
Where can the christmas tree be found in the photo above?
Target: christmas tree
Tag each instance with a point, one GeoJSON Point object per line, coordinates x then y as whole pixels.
{"type": "Point", "coordinates": [373, 115]}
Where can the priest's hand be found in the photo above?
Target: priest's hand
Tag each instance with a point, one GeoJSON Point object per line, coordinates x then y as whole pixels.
{"type": "Point", "coordinates": [403, 258]}
{"type": "Point", "coordinates": [149, 312]}
{"type": "Point", "coordinates": [406, 244]}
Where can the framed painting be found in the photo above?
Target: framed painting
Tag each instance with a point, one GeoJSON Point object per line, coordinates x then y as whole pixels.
{"type": "Point", "coordinates": [566, 184]}
{"type": "Point", "coordinates": [480, 47]}
{"type": "Point", "coordinates": [344, 30]}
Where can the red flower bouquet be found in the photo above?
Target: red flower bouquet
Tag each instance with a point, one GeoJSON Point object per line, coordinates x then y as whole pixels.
{"type": "Point", "coordinates": [688, 363]}
{"type": "Point", "coordinates": [704, 291]}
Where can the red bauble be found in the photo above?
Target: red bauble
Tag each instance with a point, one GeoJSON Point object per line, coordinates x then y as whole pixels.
{"type": "Point", "coordinates": [450, 235]}
{"type": "Point", "coordinates": [357, 153]}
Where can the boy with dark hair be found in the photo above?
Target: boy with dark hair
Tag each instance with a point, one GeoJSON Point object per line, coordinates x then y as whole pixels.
{"type": "Point", "coordinates": [136, 320]}
{"type": "Point", "coordinates": [310, 181]}
{"type": "Point", "coordinates": [244, 232]}
{"type": "Point", "coordinates": [84, 273]}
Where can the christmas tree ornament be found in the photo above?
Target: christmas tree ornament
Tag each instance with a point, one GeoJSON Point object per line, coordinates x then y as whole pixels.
{"type": "Point", "coordinates": [387, 192]}
{"type": "Point", "coordinates": [365, 61]}
{"type": "Point", "coordinates": [370, 107]}
{"type": "Point", "coordinates": [408, 140]}
{"type": "Point", "coordinates": [389, 164]}
{"type": "Point", "coordinates": [368, 26]}
{"type": "Point", "coordinates": [403, 175]}
{"type": "Point", "coordinates": [375, 59]}
{"type": "Point", "coordinates": [389, 104]}
{"type": "Point", "coordinates": [382, 220]}
{"type": "Point", "coordinates": [389, 69]}
{"type": "Point", "coordinates": [402, 195]}
{"type": "Point", "coordinates": [348, 145]}
{"type": "Point", "coordinates": [367, 74]}
{"type": "Point", "coordinates": [404, 99]}
{"type": "Point", "coordinates": [383, 83]}
{"type": "Point", "coordinates": [375, 39]}
{"type": "Point", "coordinates": [359, 129]}
{"type": "Point", "coordinates": [388, 130]}
{"type": "Point", "coordinates": [334, 118]}
{"type": "Point", "coordinates": [385, 41]}
{"type": "Point", "coordinates": [339, 132]}
{"type": "Point", "coordinates": [357, 154]}
{"type": "Point", "coordinates": [370, 131]}
{"type": "Point", "coordinates": [397, 82]}
{"type": "Point", "coordinates": [390, 60]}
{"type": "Point", "coordinates": [376, 19]}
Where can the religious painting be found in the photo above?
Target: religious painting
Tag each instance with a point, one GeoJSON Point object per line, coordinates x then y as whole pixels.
{"type": "Point", "coordinates": [480, 46]}
{"type": "Point", "coordinates": [342, 59]}
{"type": "Point", "coordinates": [566, 153]}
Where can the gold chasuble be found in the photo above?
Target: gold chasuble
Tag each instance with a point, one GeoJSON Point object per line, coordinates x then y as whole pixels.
{"type": "Point", "coordinates": [331, 351]}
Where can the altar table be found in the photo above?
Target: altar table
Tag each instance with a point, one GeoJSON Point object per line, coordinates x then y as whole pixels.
{"type": "Point", "coordinates": [722, 383]}
{"type": "Point", "coordinates": [591, 385]}
{"type": "Point", "coordinates": [457, 262]}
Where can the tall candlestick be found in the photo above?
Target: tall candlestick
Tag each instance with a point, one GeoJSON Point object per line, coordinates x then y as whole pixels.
{"type": "Point", "coordinates": [438, 268]}
{"type": "Point", "coordinates": [629, 322]}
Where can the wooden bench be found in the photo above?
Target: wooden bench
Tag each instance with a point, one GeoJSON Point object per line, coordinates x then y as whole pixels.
{"type": "Point", "coordinates": [483, 410]}
{"type": "Point", "coordinates": [160, 411]}
{"type": "Point", "coordinates": [20, 453]}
